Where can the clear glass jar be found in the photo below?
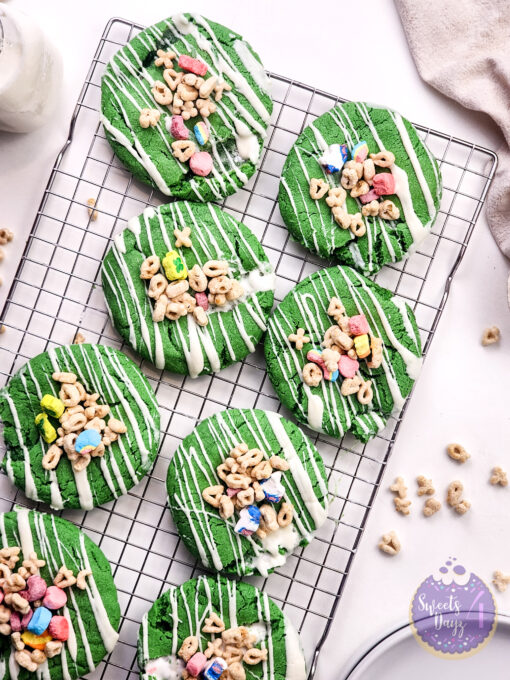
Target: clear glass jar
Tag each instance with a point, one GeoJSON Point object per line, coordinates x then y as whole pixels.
{"type": "Point", "coordinates": [30, 73]}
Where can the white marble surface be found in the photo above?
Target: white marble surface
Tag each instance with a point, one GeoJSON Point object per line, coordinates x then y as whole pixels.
{"type": "Point", "coordinates": [359, 51]}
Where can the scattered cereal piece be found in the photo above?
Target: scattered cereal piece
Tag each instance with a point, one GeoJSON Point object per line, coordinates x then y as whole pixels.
{"type": "Point", "coordinates": [462, 507]}
{"type": "Point", "coordinates": [79, 339]}
{"type": "Point", "coordinates": [499, 477]}
{"type": "Point", "coordinates": [2, 329]}
{"type": "Point", "coordinates": [399, 487]}
{"type": "Point", "coordinates": [425, 487]}
{"type": "Point", "coordinates": [299, 338]}
{"type": "Point", "coordinates": [390, 544]}
{"type": "Point", "coordinates": [501, 580]}
{"type": "Point", "coordinates": [164, 58]}
{"type": "Point", "coordinates": [93, 214]}
{"type": "Point", "coordinates": [491, 336]}
{"type": "Point", "coordinates": [457, 452]}
{"type": "Point", "coordinates": [402, 505]}
{"type": "Point", "coordinates": [383, 159]}
{"type": "Point", "coordinates": [213, 624]}
{"type": "Point", "coordinates": [6, 236]}
{"type": "Point", "coordinates": [454, 493]}
{"type": "Point", "coordinates": [432, 505]}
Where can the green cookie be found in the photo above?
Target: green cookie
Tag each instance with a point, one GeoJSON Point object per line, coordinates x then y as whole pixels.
{"type": "Point", "coordinates": [236, 129]}
{"type": "Point", "coordinates": [323, 407]}
{"type": "Point", "coordinates": [194, 468]}
{"type": "Point", "coordinates": [181, 612]}
{"type": "Point", "coordinates": [119, 383]}
{"type": "Point", "coordinates": [182, 345]}
{"type": "Point", "coordinates": [93, 614]}
{"type": "Point", "coordinates": [417, 190]}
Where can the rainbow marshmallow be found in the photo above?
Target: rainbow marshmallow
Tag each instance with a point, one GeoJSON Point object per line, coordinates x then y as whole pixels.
{"type": "Point", "coordinates": [359, 152]}
{"type": "Point", "coordinates": [201, 133]}
{"type": "Point", "coordinates": [315, 356]}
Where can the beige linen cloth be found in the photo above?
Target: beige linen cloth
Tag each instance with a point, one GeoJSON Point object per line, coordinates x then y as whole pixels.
{"type": "Point", "coordinates": [462, 48]}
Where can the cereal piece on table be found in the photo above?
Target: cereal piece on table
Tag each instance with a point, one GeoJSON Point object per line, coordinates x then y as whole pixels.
{"type": "Point", "coordinates": [390, 544]}
{"type": "Point", "coordinates": [182, 237]}
{"type": "Point", "coordinates": [454, 493]}
{"type": "Point", "coordinates": [2, 329]}
{"type": "Point", "coordinates": [498, 477]}
{"type": "Point", "coordinates": [457, 453]}
{"type": "Point", "coordinates": [501, 580]}
{"type": "Point", "coordinates": [93, 214]}
{"type": "Point", "coordinates": [431, 506]}
{"type": "Point", "coordinates": [384, 184]}
{"type": "Point", "coordinates": [312, 374]}
{"type": "Point", "coordinates": [402, 505]}
{"type": "Point", "coordinates": [183, 149]}
{"type": "Point", "coordinates": [388, 210]}
{"type": "Point", "coordinates": [192, 65]}
{"type": "Point", "coordinates": [318, 188]}
{"type": "Point", "coordinates": [425, 487]}
{"type": "Point", "coordinates": [6, 236]}
{"type": "Point", "coordinates": [383, 159]}
{"type": "Point", "coordinates": [149, 118]}
{"type": "Point", "coordinates": [462, 507]}
{"type": "Point", "coordinates": [491, 336]}
{"type": "Point", "coordinates": [164, 58]}
{"type": "Point", "coordinates": [201, 163]}
{"type": "Point", "coordinates": [79, 339]}
{"type": "Point", "coordinates": [299, 338]}
{"type": "Point", "coordinates": [399, 487]}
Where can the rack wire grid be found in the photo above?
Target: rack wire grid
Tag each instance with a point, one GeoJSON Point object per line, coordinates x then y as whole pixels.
{"type": "Point", "coordinates": [57, 292]}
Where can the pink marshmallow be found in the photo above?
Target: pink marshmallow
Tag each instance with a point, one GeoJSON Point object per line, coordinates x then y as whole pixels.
{"type": "Point", "coordinates": [232, 492]}
{"type": "Point", "coordinates": [15, 622]}
{"type": "Point", "coordinates": [347, 366]}
{"type": "Point", "coordinates": [358, 325]}
{"type": "Point", "coordinates": [59, 628]}
{"type": "Point", "coordinates": [26, 619]}
{"type": "Point", "coordinates": [384, 184]}
{"type": "Point", "coordinates": [202, 301]}
{"type": "Point", "coordinates": [196, 664]}
{"type": "Point", "coordinates": [36, 588]}
{"type": "Point", "coordinates": [371, 196]}
{"type": "Point", "coordinates": [178, 129]}
{"type": "Point", "coordinates": [55, 598]}
{"type": "Point", "coordinates": [195, 66]}
{"type": "Point", "coordinates": [201, 163]}
{"type": "Point", "coordinates": [1, 596]}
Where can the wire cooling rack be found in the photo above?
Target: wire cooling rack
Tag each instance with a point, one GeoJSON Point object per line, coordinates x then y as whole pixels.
{"type": "Point", "coordinates": [57, 292]}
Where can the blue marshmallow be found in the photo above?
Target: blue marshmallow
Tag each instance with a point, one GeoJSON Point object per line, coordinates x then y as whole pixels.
{"type": "Point", "coordinates": [272, 488]}
{"type": "Point", "coordinates": [214, 668]}
{"type": "Point", "coordinates": [249, 520]}
{"type": "Point", "coordinates": [39, 621]}
{"type": "Point", "coordinates": [87, 438]}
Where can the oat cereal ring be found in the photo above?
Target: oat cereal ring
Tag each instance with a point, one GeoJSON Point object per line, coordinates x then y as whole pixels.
{"type": "Point", "coordinates": [336, 197]}
{"type": "Point", "coordinates": [383, 159]}
{"type": "Point", "coordinates": [318, 188]}
{"type": "Point", "coordinates": [213, 268]}
{"type": "Point", "coordinates": [312, 374]}
{"type": "Point", "coordinates": [161, 93]}
{"type": "Point", "coordinates": [150, 267]}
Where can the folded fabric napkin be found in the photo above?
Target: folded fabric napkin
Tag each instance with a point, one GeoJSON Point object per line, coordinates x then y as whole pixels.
{"type": "Point", "coordinates": [462, 48]}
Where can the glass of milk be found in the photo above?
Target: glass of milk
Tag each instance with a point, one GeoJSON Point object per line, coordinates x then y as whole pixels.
{"type": "Point", "coordinates": [30, 73]}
